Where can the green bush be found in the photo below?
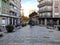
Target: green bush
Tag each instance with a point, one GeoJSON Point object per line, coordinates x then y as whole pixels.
{"type": "Point", "coordinates": [9, 28]}
{"type": "Point", "coordinates": [1, 34]}
{"type": "Point", "coordinates": [59, 28]}
{"type": "Point", "coordinates": [23, 25]}
{"type": "Point", "coordinates": [5, 1]}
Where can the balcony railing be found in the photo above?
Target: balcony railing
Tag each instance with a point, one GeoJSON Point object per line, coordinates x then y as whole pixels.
{"type": "Point", "coordinates": [43, 3]}
{"type": "Point", "coordinates": [45, 9]}
{"type": "Point", "coordinates": [48, 8]}
{"type": "Point", "coordinates": [45, 15]}
{"type": "Point", "coordinates": [39, 0]}
{"type": "Point", "coordinates": [12, 2]}
{"type": "Point", "coordinates": [12, 9]}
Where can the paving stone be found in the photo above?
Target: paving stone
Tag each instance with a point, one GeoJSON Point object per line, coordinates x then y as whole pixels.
{"type": "Point", "coordinates": [32, 36]}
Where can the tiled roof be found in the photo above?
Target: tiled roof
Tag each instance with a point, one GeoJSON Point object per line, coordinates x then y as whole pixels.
{"type": "Point", "coordinates": [33, 14]}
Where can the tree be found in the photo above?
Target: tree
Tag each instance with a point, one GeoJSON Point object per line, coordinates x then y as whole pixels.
{"type": "Point", "coordinates": [24, 19]}
{"type": "Point", "coordinates": [5, 1]}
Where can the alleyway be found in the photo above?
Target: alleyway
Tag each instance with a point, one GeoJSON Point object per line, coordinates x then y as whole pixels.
{"type": "Point", "coordinates": [32, 36]}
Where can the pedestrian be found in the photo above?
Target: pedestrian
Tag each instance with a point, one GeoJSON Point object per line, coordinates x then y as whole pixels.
{"type": "Point", "coordinates": [30, 23]}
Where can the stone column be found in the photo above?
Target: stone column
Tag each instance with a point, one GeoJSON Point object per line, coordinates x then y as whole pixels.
{"type": "Point", "coordinates": [38, 22]}
{"type": "Point", "coordinates": [45, 21]}
{"type": "Point", "coordinates": [8, 21]}
{"type": "Point", "coordinates": [58, 22]}
{"type": "Point", "coordinates": [12, 21]}
{"type": "Point", "coordinates": [41, 22]}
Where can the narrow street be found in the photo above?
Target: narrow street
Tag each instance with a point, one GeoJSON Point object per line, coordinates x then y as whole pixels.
{"type": "Point", "coordinates": [32, 36]}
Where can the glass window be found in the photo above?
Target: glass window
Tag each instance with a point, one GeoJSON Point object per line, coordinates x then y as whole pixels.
{"type": "Point", "coordinates": [3, 21]}
{"type": "Point", "coordinates": [56, 13]}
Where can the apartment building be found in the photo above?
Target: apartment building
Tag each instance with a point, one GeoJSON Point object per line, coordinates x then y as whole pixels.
{"type": "Point", "coordinates": [49, 12]}
{"type": "Point", "coordinates": [10, 12]}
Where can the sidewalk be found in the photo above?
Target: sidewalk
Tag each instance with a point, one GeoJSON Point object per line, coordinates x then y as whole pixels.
{"type": "Point", "coordinates": [32, 36]}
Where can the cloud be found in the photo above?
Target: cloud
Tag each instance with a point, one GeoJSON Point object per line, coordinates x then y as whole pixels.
{"type": "Point", "coordinates": [31, 4]}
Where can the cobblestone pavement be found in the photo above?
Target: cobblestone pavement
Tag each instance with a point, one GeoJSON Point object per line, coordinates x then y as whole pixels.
{"type": "Point", "coordinates": [35, 35]}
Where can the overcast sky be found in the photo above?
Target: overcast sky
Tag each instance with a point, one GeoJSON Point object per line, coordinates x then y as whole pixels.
{"type": "Point", "coordinates": [29, 4]}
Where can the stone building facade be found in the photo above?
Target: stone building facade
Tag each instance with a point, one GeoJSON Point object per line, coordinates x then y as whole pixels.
{"type": "Point", "coordinates": [49, 12]}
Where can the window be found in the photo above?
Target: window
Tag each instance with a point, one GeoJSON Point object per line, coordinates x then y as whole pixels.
{"type": "Point", "coordinates": [56, 13]}
{"type": "Point", "coordinates": [15, 7]}
{"type": "Point", "coordinates": [3, 22]}
{"type": "Point", "coordinates": [56, 0]}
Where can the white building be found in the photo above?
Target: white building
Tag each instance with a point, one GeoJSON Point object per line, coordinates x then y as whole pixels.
{"type": "Point", "coordinates": [10, 12]}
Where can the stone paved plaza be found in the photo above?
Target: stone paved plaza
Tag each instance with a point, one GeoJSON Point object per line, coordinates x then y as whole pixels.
{"type": "Point", "coordinates": [36, 35]}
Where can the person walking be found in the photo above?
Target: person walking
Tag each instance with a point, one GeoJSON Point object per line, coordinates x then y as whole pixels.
{"type": "Point", "coordinates": [30, 23]}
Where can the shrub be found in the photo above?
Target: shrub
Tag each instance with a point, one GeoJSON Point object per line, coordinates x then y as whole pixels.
{"type": "Point", "coordinates": [9, 28]}
{"type": "Point", "coordinates": [17, 25]}
{"type": "Point", "coordinates": [23, 25]}
{"type": "Point", "coordinates": [1, 33]}
{"type": "Point", "coordinates": [5, 1]}
{"type": "Point", "coordinates": [0, 30]}
{"type": "Point", "coordinates": [59, 28]}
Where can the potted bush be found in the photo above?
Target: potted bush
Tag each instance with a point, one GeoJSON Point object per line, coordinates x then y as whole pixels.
{"type": "Point", "coordinates": [9, 28]}
{"type": "Point", "coordinates": [5, 1]}
{"type": "Point", "coordinates": [58, 28]}
{"type": "Point", "coordinates": [23, 24]}
{"type": "Point", "coordinates": [1, 33]}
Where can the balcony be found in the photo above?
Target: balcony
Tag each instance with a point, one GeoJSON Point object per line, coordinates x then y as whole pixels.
{"type": "Point", "coordinates": [11, 8]}
{"type": "Point", "coordinates": [45, 15]}
{"type": "Point", "coordinates": [48, 8]}
{"type": "Point", "coordinates": [46, 2]}
{"type": "Point", "coordinates": [40, 10]}
{"type": "Point", "coordinates": [48, 14]}
{"type": "Point", "coordinates": [39, 0]}
{"type": "Point", "coordinates": [12, 2]}
{"type": "Point", "coordinates": [45, 9]}
{"type": "Point", "coordinates": [41, 5]}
